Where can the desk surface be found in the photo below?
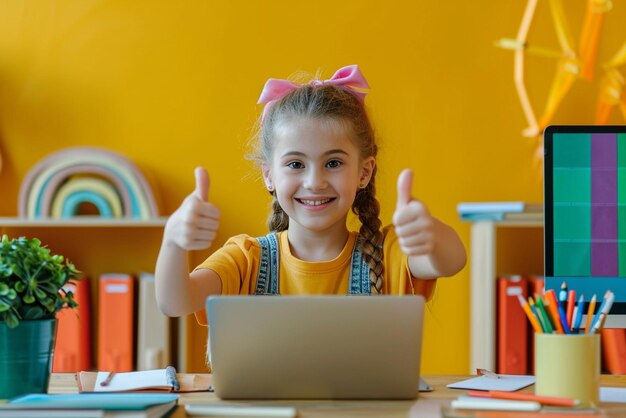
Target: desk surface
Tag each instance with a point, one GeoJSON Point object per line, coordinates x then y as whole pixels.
{"type": "Point", "coordinates": [425, 406]}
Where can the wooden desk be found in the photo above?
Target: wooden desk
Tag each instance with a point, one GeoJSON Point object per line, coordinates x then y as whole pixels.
{"type": "Point", "coordinates": [425, 407]}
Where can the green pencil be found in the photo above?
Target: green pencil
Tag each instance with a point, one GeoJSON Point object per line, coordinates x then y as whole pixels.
{"type": "Point", "coordinates": [542, 310]}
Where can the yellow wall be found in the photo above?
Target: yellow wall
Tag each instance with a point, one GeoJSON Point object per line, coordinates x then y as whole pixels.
{"type": "Point", "coordinates": [173, 85]}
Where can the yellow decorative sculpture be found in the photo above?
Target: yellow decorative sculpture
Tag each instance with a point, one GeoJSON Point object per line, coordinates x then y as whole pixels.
{"type": "Point", "coordinates": [572, 64]}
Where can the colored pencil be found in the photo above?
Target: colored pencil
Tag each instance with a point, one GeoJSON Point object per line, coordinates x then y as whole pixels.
{"type": "Point", "coordinates": [521, 396]}
{"type": "Point", "coordinates": [529, 314]}
{"type": "Point", "coordinates": [592, 307]}
{"type": "Point", "coordinates": [542, 311]}
{"type": "Point", "coordinates": [580, 307]}
{"type": "Point", "coordinates": [553, 306]}
{"type": "Point", "coordinates": [571, 303]}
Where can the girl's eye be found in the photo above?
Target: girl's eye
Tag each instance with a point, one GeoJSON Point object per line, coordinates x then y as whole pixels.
{"type": "Point", "coordinates": [334, 164]}
{"type": "Point", "coordinates": [295, 165]}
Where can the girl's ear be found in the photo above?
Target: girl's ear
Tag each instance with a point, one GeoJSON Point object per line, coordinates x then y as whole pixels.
{"type": "Point", "coordinates": [367, 168]}
{"type": "Point", "coordinates": [267, 177]}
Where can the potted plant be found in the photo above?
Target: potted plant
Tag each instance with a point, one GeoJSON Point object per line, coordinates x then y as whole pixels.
{"type": "Point", "coordinates": [32, 281]}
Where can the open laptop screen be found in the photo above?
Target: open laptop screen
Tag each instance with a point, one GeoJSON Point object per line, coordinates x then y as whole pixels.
{"type": "Point", "coordinates": [585, 212]}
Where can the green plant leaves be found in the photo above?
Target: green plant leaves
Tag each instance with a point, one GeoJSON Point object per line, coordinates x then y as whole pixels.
{"type": "Point", "coordinates": [32, 280]}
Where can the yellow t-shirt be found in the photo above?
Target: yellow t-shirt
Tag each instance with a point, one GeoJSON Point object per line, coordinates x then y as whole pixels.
{"type": "Point", "coordinates": [237, 264]}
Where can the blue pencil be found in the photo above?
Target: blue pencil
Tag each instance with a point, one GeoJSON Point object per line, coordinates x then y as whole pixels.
{"type": "Point", "coordinates": [563, 319]}
{"type": "Point", "coordinates": [580, 307]}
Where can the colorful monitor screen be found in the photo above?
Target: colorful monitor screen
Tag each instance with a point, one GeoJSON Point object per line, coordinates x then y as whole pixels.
{"type": "Point", "coordinates": [585, 212]}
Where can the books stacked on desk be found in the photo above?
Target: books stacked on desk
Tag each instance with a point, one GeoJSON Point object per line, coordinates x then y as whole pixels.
{"type": "Point", "coordinates": [500, 211]}
{"type": "Point", "coordinates": [84, 405]}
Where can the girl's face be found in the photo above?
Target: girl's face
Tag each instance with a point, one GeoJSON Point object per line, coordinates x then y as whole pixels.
{"type": "Point", "coordinates": [316, 172]}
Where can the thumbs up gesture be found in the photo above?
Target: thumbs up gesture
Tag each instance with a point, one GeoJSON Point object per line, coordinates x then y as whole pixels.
{"type": "Point", "coordinates": [413, 223]}
{"type": "Point", "coordinates": [193, 226]}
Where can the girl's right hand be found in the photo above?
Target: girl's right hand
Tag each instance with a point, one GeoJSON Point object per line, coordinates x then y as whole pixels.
{"type": "Point", "coordinates": [193, 226]}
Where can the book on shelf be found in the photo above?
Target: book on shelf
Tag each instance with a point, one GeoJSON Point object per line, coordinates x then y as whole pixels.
{"type": "Point", "coordinates": [499, 211]}
{"type": "Point", "coordinates": [72, 349]}
{"type": "Point", "coordinates": [613, 343]}
{"type": "Point", "coordinates": [116, 322]}
{"type": "Point", "coordinates": [91, 405]}
{"type": "Point", "coordinates": [153, 328]}
{"type": "Point", "coordinates": [512, 326]}
{"type": "Point", "coordinates": [146, 380]}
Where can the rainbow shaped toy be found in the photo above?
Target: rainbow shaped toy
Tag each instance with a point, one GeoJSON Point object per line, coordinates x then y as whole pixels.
{"type": "Point", "coordinates": [59, 184]}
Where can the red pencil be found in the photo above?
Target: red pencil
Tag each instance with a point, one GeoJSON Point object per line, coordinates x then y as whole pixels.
{"type": "Point", "coordinates": [571, 302]}
{"type": "Point", "coordinates": [522, 396]}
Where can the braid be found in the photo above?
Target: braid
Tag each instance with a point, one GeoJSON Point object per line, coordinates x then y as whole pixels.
{"type": "Point", "coordinates": [366, 206]}
{"type": "Point", "coordinates": [278, 221]}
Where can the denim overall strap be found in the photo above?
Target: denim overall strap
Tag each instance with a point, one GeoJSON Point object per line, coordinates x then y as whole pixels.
{"type": "Point", "coordinates": [359, 272]}
{"type": "Point", "coordinates": [267, 278]}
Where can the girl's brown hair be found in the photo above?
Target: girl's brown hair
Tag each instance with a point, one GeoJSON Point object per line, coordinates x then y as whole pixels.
{"type": "Point", "coordinates": [342, 105]}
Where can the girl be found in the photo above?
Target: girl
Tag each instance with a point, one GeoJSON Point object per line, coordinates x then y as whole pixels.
{"type": "Point", "coordinates": [317, 153]}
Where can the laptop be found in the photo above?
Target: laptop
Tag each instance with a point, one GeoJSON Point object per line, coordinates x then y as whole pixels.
{"type": "Point", "coordinates": [315, 347]}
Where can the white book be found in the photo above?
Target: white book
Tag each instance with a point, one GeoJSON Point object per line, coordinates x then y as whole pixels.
{"type": "Point", "coordinates": [465, 208]}
{"type": "Point", "coordinates": [469, 402]}
{"type": "Point", "coordinates": [153, 329]}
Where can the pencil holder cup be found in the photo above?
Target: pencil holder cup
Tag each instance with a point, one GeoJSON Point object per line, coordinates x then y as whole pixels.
{"type": "Point", "coordinates": [568, 365]}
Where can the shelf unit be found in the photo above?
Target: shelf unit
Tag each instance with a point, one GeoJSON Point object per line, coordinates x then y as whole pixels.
{"type": "Point", "coordinates": [483, 246]}
{"type": "Point", "coordinates": [95, 246]}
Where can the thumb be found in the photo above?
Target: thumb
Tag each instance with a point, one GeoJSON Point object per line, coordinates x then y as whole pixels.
{"type": "Point", "coordinates": [405, 183]}
{"type": "Point", "coordinates": [202, 184]}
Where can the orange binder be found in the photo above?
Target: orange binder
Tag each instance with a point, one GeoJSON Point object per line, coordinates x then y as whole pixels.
{"type": "Point", "coordinates": [512, 326]}
{"type": "Point", "coordinates": [614, 350]}
{"type": "Point", "coordinates": [72, 348]}
{"type": "Point", "coordinates": [116, 323]}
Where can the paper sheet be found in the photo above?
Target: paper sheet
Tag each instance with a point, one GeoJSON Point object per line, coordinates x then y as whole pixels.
{"type": "Point", "coordinates": [506, 382]}
{"type": "Point", "coordinates": [608, 394]}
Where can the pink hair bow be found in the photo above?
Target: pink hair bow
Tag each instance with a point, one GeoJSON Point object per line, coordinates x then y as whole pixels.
{"type": "Point", "coordinates": [349, 76]}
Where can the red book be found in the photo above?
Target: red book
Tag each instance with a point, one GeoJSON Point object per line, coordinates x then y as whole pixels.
{"type": "Point", "coordinates": [512, 326]}
{"type": "Point", "coordinates": [116, 323]}
{"type": "Point", "coordinates": [613, 343]}
{"type": "Point", "coordinates": [72, 348]}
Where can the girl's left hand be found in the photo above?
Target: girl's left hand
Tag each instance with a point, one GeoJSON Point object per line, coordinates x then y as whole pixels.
{"type": "Point", "coordinates": [414, 225]}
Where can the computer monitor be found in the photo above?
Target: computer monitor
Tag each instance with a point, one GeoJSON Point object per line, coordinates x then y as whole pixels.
{"type": "Point", "coordinates": [585, 213]}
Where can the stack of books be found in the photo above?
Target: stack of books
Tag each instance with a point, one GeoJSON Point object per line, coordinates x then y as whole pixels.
{"type": "Point", "coordinates": [131, 405]}
{"type": "Point", "coordinates": [500, 211]}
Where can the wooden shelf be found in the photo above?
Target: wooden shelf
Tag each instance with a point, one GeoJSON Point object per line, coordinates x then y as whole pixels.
{"type": "Point", "coordinates": [483, 288]}
{"type": "Point", "coordinates": [82, 222]}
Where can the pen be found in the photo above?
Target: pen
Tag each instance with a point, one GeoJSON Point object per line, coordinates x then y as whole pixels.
{"type": "Point", "coordinates": [605, 307]}
{"type": "Point", "coordinates": [598, 324]}
{"type": "Point", "coordinates": [578, 316]}
{"type": "Point", "coordinates": [592, 307]}
{"type": "Point", "coordinates": [108, 379]}
{"type": "Point", "coordinates": [521, 396]}
{"type": "Point", "coordinates": [563, 296]}
{"type": "Point", "coordinates": [170, 373]}
{"type": "Point", "coordinates": [529, 314]}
